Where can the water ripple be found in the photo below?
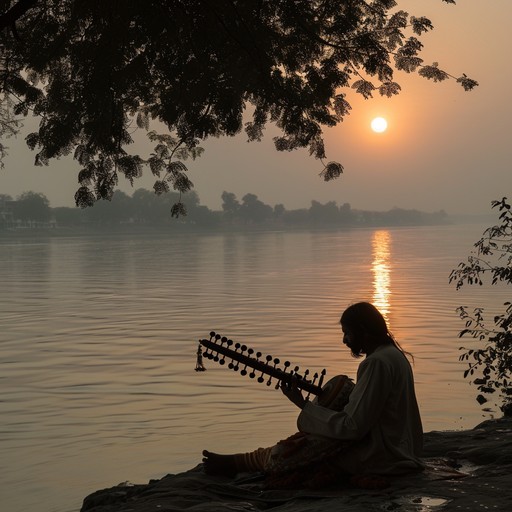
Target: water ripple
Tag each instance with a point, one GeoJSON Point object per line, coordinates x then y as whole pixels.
{"type": "Point", "coordinates": [99, 338]}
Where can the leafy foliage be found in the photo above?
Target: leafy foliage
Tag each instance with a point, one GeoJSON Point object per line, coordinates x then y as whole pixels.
{"type": "Point", "coordinates": [94, 72]}
{"type": "Point", "coordinates": [9, 124]}
{"type": "Point", "coordinates": [490, 367]}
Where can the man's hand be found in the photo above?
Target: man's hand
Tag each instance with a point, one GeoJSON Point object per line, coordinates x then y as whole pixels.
{"type": "Point", "coordinates": [293, 393]}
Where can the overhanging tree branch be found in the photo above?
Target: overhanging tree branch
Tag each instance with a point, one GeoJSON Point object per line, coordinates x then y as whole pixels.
{"type": "Point", "coordinates": [8, 19]}
{"type": "Point", "coordinates": [197, 69]}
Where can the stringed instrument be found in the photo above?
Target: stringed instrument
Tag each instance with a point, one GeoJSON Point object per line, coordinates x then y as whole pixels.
{"type": "Point", "coordinates": [221, 349]}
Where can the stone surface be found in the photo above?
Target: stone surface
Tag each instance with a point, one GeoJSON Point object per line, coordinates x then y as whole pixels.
{"type": "Point", "coordinates": [467, 470]}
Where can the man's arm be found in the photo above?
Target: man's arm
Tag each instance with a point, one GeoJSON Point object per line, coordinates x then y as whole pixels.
{"type": "Point", "coordinates": [362, 411]}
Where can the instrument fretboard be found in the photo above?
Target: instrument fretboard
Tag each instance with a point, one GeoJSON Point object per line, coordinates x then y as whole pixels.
{"type": "Point", "coordinates": [241, 358]}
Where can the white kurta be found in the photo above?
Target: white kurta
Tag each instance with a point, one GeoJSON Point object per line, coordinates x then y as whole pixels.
{"type": "Point", "coordinates": [382, 414]}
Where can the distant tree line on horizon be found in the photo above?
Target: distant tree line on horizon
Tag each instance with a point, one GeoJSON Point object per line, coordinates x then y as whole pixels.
{"type": "Point", "coordinates": [145, 208]}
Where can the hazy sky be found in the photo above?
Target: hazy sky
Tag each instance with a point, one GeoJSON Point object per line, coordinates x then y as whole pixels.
{"type": "Point", "coordinates": [444, 148]}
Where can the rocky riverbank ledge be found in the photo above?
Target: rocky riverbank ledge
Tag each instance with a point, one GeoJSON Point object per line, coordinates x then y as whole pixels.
{"type": "Point", "coordinates": [466, 470]}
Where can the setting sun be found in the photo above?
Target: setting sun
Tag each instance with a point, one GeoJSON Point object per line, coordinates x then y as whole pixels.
{"type": "Point", "coordinates": [379, 125]}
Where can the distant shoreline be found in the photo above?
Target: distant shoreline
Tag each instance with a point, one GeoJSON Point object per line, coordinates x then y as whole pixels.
{"type": "Point", "coordinates": [190, 228]}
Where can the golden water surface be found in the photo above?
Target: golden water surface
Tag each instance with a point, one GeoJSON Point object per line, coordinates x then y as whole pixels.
{"type": "Point", "coordinates": [99, 334]}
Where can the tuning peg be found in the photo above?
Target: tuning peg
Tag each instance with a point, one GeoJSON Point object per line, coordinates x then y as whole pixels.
{"type": "Point", "coordinates": [253, 373]}
{"type": "Point", "coordinates": [276, 362]}
{"type": "Point", "coordinates": [322, 375]}
{"type": "Point", "coordinates": [286, 365]}
{"type": "Point", "coordinates": [235, 366]}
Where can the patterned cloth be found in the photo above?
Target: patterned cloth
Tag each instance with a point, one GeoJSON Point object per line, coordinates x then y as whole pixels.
{"type": "Point", "coordinates": [308, 461]}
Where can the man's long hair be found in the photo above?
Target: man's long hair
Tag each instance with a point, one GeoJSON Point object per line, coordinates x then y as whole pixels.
{"type": "Point", "coordinates": [363, 316]}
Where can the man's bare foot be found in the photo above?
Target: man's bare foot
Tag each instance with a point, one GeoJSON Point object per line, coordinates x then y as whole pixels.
{"type": "Point", "coordinates": [216, 464]}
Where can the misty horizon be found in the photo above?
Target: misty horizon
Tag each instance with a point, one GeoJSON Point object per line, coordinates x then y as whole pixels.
{"type": "Point", "coordinates": [194, 198]}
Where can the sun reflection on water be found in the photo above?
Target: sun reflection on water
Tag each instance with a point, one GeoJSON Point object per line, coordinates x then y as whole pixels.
{"type": "Point", "coordinates": [381, 270]}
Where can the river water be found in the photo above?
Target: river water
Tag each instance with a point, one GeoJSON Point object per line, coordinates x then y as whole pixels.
{"type": "Point", "coordinates": [99, 334]}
